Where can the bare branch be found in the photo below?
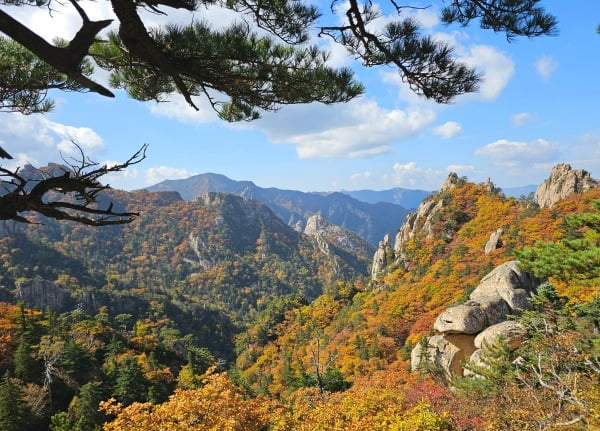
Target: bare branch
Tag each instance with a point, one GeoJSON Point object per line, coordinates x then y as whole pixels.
{"type": "Point", "coordinates": [70, 194]}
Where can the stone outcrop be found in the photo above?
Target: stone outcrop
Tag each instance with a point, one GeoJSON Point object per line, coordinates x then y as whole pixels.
{"type": "Point", "coordinates": [514, 333]}
{"type": "Point", "coordinates": [327, 235]}
{"type": "Point", "coordinates": [562, 182]}
{"type": "Point", "coordinates": [463, 329]}
{"type": "Point", "coordinates": [473, 316]}
{"type": "Point", "coordinates": [509, 282]}
{"type": "Point", "coordinates": [382, 256]}
{"type": "Point", "coordinates": [419, 222]}
{"type": "Point", "coordinates": [494, 242]}
{"type": "Point", "coordinates": [38, 293]}
{"type": "Point", "coordinates": [449, 182]}
{"type": "Point", "coordinates": [445, 352]}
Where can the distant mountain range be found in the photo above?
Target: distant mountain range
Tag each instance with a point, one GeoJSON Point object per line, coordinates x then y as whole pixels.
{"type": "Point", "coordinates": [370, 220]}
{"type": "Point", "coordinates": [519, 191]}
{"type": "Point", "coordinates": [406, 198]}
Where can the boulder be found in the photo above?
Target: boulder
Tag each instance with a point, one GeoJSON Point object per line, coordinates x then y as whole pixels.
{"type": "Point", "coordinates": [495, 241]}
{"type": "Point", "coordinates": [461, 319]}
{"type": "Point", "coordinates": [562, 182]}
{"type": "Point", "coordinates": [446, 352]}
{"type": "Point", "coordinates": [510, 283]}
{"type": "Point", "coordinates": [513, 331]}
{"type": "Point", "coordinates": [473, 316]}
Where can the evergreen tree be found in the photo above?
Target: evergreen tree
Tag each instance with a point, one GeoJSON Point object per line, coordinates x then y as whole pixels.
{"type": "Point", "coordinates": [13, 412]}
{"type": "Point", "coordinates": [334, 381]}
{"type": "Point", "coordinates": [574, 258]}
{"type": "Point", "coordinates": [26, 367]}
{"type": "Point", "coordinates": [130, 383]}
{"type": "Point", "coordinates": [84, 408]}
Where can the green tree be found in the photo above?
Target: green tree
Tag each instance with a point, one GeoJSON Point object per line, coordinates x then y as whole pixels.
{"type": "Point", "coordinates": [130, 383]}
{"type": "Point", "coordinates": [13, 412]}
{"type": "Point", "coordinates": [26, 367]}
{"type": "Point", "coordinates": [334, 381]}
{"type": "Point", "coordinates": [84, 408]}
{"type": "Point", "coordinates": [30, 80]}
{"type": "Point", "coordinates": [254, 72]}
{"type": "Point", "coordinates": [574, 258]}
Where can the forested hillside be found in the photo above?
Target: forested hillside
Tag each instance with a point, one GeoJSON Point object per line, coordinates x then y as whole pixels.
{"type": "Point", "coordinates": [317, 348]}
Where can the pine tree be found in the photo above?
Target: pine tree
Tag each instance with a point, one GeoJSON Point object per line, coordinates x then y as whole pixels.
{"type": "Point", "coordinates": [13, 412]}
{"type": "Point", "coordinates": [574, 258]}
{"type": "Point", "coordinates": [84, 407]}
{"type": "Point", "coordinates": [130, 383]}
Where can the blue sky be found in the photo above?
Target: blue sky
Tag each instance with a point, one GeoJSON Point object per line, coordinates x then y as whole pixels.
{"type": "Point", "coordinates": [537, 107]}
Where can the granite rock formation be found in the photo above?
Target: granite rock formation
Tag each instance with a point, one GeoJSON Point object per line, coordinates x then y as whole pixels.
{"type": "Point", "coordinates": [562, 182]}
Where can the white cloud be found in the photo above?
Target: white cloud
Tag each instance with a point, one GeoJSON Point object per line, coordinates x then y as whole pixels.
{"type": "Point", "coordinates": [516, 153]}
{"type": "Point", "coordinates": [522, 118]}
{"type": "Point", "coordinates": [460, 169]}
{"type": "Point", "coordinates": [413, 176]}
{"type": "Point", "coordinates": [360, 176]}
{"type": "Point", "coordinates": [448, 130]}
{"type": "Point", "coordinates": [36, 140]}
{"type": "Point", "coordinates": [546, 66]}
{"type": "Point", "coordinates": [496, 69]}
{"type": "Point", "coordinates": [161, 173]}
{"type": "Point", "coordinates": [360, 128]}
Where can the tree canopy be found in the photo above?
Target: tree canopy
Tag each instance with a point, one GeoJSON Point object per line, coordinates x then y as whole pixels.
{"type": "Point", "coordinates": [257, 64]}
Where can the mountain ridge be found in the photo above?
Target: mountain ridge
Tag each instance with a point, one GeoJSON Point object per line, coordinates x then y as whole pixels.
{"type": "Point", "coordinates": [371, 221]}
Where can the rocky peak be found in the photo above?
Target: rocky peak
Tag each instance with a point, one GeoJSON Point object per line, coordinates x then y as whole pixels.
{"type": "Point", "coordinates": [449, 182]}
{"type": "Point", "coordinates": [562, 182]}
{"type": "Point", "coordinates": [382, 256]}
{"type": "Point", "coordinates": [315, 223]}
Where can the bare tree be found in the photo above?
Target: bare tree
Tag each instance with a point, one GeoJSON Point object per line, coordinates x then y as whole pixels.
{"type": "Point", "coordinates": [68, 192]}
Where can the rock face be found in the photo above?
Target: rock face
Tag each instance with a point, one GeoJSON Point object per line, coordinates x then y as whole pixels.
{"type": "Point", "coordinates": [463, 328]}
{"type": "Point", "coordinates": [449, 182]}
{"type": "Point", "coordinates": [494, 242]}
{"type": "Point", "coordinates": [419, 222]}
{"type": "Point", "coordinates": [562, 182]}
{"type": "Point", "coordinates": [37, 293]}
{"type": "Point", "coordinates": [447, 353]}
{"type": "Point", "coordinates": [382, 256]}
{"type": "Point", "coordinates": [327, 234]}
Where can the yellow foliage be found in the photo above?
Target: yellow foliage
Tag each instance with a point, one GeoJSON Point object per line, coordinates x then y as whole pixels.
{"type": "Point", "coordinates": [216, 406]}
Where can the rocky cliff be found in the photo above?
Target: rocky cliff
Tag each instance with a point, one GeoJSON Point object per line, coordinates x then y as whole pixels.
{"type": "Point", "coordinates": [339, 243]}
{"type": "Point", "coordinates": [419, 222]}
{"type": "Point", "coordinates": [562, 182]}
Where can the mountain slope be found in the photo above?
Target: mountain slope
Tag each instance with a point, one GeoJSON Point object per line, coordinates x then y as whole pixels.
{"type": "Point", "coordinates": [369, 220]}
{"type": "Point", "coordinates": [364, 327]}
{"type": "Point", "coordinates": [222, 256]}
